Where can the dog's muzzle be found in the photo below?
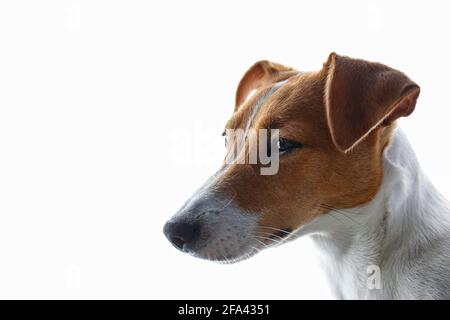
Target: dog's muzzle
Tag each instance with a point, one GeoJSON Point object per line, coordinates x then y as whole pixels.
{"type": "Point", "coordinates": [211, 226]}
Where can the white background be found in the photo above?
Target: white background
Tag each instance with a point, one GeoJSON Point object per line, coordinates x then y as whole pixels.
{"type": "Point", "coordinates": [111, 114]}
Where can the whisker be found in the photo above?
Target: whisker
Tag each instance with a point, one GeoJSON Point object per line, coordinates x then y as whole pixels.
{"type": "Point", "coordinates": [333, 215]}
{"type": "Point", "coordinates": [229, 202]}
{"type": "Point", "coordinates": [327, 206]}
{"type": "Point", "coordinates": [272, 235]}
{"type": "Point", "coordinates": [276, 229]}
{"type": "Point", "coordinates": [342, 212]}
{"type": "Point", "coordinates": [278, 242]}
{"type": "Point", "coordinates": [256, 249]}
{"type": "Point", "coordinates": [260, 242]}
{"type": "Point", "coordinates": [264, 238]}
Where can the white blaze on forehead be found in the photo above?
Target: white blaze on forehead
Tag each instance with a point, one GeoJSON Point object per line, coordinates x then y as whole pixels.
{"type": "Point", "coordinates": [260, 101]}
{"type": "Point", "coordinates": [241, 135]}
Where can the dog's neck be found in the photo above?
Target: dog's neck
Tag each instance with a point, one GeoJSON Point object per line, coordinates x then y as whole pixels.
{"type": "Point", "coordinates": [370, 251]}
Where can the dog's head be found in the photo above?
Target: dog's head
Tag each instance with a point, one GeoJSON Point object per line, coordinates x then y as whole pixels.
{"type": "Point", "coordinates": [332, 124]}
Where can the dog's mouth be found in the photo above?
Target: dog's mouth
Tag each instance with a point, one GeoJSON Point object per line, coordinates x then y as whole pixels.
{"type": "Point", "coordinates": [224, 244]}
{"type": "Point", "coordinates": [278, 237]}
{"type": "Point", "coordinates": [274, 237]}
{"type": "Point", "coordinates": [215, 228]}
{"type": "Point", "coordinates": [235, 250]}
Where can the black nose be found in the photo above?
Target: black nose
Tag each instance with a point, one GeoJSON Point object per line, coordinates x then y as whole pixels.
{"type": "Point", "coordinates": [181, 234]}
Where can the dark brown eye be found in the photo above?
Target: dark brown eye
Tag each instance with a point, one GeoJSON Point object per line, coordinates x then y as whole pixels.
{"type": "Point", "coordinates": [285, 145]}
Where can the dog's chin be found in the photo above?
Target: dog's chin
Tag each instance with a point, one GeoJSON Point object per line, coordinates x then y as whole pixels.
{"type": "Point", "coordinates": [220, 255]}
{"type": "Point", "coordinates": [227, 259]}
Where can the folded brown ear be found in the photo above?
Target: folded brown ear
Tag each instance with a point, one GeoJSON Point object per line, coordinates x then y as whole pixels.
{"type": "Point", "coordinates": [257, 76]}
{"type": "Point", "coordinates": [361, 95]}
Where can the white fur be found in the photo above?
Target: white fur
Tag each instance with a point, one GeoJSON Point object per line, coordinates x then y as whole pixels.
{"type": "Point", "coordinates": [227, 233]}
{"type": "Point", "coordinates": [404, 231]}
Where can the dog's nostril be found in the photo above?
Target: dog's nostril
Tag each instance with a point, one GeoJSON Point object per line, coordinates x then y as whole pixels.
{"type": "Point", "coordinates": [181, 234]}
{"type": "Point", "coordinates": [177, 242]}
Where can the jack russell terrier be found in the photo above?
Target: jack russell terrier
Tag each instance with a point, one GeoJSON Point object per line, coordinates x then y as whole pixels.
{"type": "Point", "coordinates": [347, 177]}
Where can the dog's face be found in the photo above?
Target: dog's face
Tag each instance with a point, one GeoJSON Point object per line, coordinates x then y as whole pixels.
{"type": "Point", "coordinates": [333, 126]}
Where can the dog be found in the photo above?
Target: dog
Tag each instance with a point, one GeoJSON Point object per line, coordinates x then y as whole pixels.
{"type": "Point", "coordinates": [347, 177]}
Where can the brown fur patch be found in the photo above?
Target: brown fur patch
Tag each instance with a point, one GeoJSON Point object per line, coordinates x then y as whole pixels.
{"type": "Point", "coordinates": [342, 107]}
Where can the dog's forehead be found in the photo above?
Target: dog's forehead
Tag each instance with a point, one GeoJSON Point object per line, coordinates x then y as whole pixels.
{"type": "Point", "coordinates": [285, 100]}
